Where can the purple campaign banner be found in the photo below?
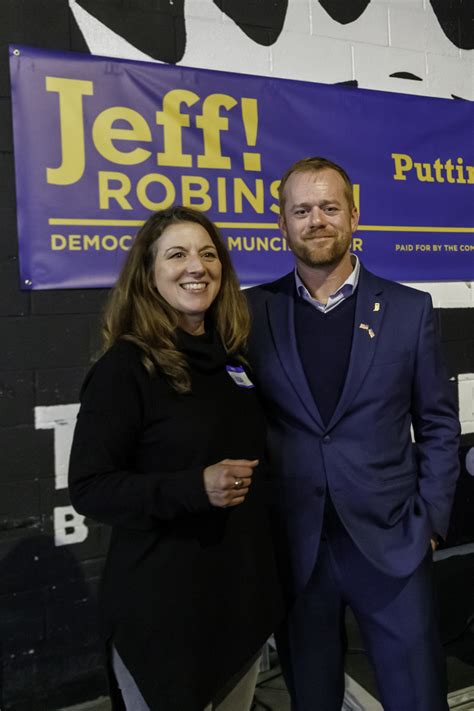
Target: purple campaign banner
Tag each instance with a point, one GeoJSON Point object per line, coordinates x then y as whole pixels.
{"type": "Point", "coordinates": [102, 143]}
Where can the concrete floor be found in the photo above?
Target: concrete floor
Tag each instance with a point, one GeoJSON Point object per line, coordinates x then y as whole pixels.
{"type": "Point", "coordinates": [271, 693]}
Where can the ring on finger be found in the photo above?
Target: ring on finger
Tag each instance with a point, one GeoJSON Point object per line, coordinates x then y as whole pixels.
{"type": "Point", "coordinates": [238, 483]}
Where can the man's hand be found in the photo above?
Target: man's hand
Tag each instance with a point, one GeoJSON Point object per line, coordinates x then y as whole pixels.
{"type": "Point", "coordinates": [434, 544]}
{"type": "Point", "coordinates": [227, 482]}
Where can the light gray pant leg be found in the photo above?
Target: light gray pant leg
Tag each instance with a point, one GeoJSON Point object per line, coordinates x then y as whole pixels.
{"type": "Point", "coordinates": [132, 697]}
{"type": "Point", "coordinates": [240, 696]}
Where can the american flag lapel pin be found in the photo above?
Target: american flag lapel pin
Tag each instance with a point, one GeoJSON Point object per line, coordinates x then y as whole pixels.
{"type": "Point", "coordinates": [366, 327]}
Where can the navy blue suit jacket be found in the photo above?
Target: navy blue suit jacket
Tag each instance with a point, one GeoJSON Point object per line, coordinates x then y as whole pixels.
{"type": "Point", "coordinates": [391, 493]}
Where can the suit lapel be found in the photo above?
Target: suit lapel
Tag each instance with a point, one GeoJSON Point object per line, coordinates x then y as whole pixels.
{"type": "Point", "coordinates": [370, 310]}
{"type": "Point", "coordinates": [281, 316]}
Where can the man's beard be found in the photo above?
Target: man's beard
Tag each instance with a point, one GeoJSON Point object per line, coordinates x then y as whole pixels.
{"type": "Point", "coordinates": [329, 256]}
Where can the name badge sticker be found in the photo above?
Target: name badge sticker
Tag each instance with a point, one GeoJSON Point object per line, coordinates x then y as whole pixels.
{"type": "Point", "coordinates": [239, 376]}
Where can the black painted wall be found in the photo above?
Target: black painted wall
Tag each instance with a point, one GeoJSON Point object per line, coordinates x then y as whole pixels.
{"type": "Point", "coordinates": [48, 640]}
{"type": "Point", "coordinates": [49, 649]}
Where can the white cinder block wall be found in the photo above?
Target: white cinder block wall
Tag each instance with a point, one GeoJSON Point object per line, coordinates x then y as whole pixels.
{"type": "Point", "coordinates": [390, 36]}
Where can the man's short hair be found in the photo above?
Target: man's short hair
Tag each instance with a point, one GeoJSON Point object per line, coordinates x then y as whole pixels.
{"type": "Point", "coordinates": [315, 165]}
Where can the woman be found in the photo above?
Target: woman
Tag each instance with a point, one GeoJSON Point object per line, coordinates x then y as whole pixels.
{"type": "Point", "coordinates": [168, 450]}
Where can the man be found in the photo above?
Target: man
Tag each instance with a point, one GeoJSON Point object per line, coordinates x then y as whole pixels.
{"type": "Point", "coordinates": [347, 364]}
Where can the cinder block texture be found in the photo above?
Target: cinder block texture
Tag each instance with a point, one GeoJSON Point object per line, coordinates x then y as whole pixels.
{"type": "Point", "coordinates": [312, 58]}
{"type": "Point", "coordinates": [371, 27]}
{"type": "Point", "coordinates": [374, 67]}
{"type": "Point", "coordinates": [17, 397]}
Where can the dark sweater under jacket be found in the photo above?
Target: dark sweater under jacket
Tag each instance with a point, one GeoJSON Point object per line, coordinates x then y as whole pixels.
{"type": "Point", "coordinates": [189, 591]}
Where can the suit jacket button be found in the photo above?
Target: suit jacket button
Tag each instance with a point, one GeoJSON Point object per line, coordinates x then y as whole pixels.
{"type": "Point", "coordinates": [326, 439]}
{"type": "Point", "coordinates": [319, 491]}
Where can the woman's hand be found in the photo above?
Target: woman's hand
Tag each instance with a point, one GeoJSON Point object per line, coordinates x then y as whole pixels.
{"type": "Point", "coordinates": [227, 482]}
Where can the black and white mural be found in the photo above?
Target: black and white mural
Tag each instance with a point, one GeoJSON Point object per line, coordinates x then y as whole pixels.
{"type": "Point", "coordinates": [50, 557]}
{"type": "Point", "coordinates": [121, 28]}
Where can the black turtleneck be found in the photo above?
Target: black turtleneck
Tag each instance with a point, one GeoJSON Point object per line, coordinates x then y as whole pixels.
{"type": "Point", "coordinates": [205, 353]}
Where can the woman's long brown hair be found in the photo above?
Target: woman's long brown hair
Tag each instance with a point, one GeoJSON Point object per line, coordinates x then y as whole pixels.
{"type": "Point", "coordinates": [136, 311]}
